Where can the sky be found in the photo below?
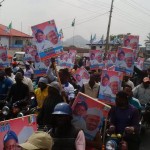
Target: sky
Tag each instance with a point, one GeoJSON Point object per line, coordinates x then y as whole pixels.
{"type": "Point", "coordinates": [129, 16]}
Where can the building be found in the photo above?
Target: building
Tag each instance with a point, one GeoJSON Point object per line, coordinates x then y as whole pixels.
{"type": "Point", "coordinates": [13, 38]}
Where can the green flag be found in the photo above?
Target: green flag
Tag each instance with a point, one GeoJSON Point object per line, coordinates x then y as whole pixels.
{"type": "Point", "coordinates": [73, 23]}
{"type": "Point", "coordinates": [8, 28]}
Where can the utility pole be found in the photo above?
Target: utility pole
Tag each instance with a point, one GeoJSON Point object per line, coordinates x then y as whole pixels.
{"type": "Point", "coordinates": [108, 28]}
{"type": "Point", "coordinates": [1, 3]}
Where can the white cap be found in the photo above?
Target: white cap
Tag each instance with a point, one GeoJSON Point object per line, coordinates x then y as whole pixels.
{"type": "Point", "coordinates": [48, 29]}
{"type": "Point", "coordinates": [94, 111]}
{"type": "Point", "coordinates": [114, 78]}
{"type": "Point", "coordinates": [128, 55]}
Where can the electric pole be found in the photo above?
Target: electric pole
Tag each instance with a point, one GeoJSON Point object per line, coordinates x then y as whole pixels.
{"type": "Point", "coordinates": [108, 28]}
{"type": "Point", "coordinates": [1, 3]}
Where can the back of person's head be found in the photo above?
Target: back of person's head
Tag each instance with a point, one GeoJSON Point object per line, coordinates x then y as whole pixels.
{"type": "Point", "coordinates": [20, 70]}
{"type": "Point", "coordinates": [38, 141]}
{"type": "Point", "coordinates": [8, 71]}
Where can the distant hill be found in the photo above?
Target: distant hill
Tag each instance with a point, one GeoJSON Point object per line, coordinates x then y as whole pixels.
{"type": "Point", "coordinates": [79, 41]}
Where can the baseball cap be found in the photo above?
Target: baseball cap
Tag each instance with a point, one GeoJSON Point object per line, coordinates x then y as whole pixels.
{"type": "Point", "coordinates": [9, 136]}
{"type": "Point", "coordinates": [38, 140]}
{"type": "Point", "coordinates": [43, 80]}
{"type": "Point", "coordinates": [146, 79]}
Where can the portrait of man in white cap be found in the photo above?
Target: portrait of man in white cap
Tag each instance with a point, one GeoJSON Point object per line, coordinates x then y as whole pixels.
{"type": "Point", "coordinates": [41, 43]}
{"type": "Point", "coordinates": [114, 85]}
{"type": "Point", "coordinates": [93, 120]}
{"type": "Point", "coordinates": [129, 61]}
{"type": "Point", "coordinates": [120, 62]}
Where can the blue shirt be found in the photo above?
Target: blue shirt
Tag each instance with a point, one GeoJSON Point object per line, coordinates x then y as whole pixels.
{"type": "Point", "coordinates": [5, 85]}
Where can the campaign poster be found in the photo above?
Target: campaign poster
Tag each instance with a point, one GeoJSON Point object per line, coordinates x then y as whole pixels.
{"type": "Point", "coordinates": [40, 67]}
{"type": "Point", "coordinates": [131, 41]}
{"type": "Point", "coordinates": [109, 86]}
{"type": "Point", "coordinates": [89, 114]}
{"type": "Point", "coordinates": [3, 57]}
{"type": "Point", "coordinates": [30, 53]}
{"type": "Point", "coordinates": [125, 61]}
{"type": "Point", "coordinates": [62, 60]}
{"type": "Point", "coordinates": [111, 59]}
{"type": "Point", "coordinates": [20, 128]}
{"type": "Point", "coordinates": [140, 63]}
{"type": "Point", "coordinates": [96, 59]}
{"type": "Point", "coordinates": [81, 76]}
{"type": "Point", "coordinates": [71, 58]}
{"type": "Point", "coordinates": [46, 39]}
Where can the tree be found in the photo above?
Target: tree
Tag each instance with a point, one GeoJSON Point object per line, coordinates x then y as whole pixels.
{"type": "Point", "coordinates": [148, 39]}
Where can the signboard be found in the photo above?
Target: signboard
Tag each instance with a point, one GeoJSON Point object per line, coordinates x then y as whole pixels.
{"type": "Point", "coordinates": [20, 129]}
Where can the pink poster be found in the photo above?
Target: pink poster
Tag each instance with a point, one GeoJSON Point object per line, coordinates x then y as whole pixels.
{"type": "Point", "coordinates": [109, 86]}
{"type": "Point", "coordinates": [30, 53]}
{"type": "Point", "coordinates": [111, 59]}
{"type": "Point", "coordinates": [71, 58]}
{"type": "Point", "coordinates": [125, 61]}
{"type": "Point", "coordinates": [3, 57]}
{"type": "Point", "coordinates": [140, 63]}
{"type": "Point", "coordinates": [46, 39]}
{"type": "Point", "coordinates": [19, 129]}
{"type": "Point", "coordinates": [89, 114]}
{"type": "Point", "coordinates": [96, 59]}
{"type": "Point", "coordinates": [81, 76]}
{"type": "Point", "coordinates": [62, 60]}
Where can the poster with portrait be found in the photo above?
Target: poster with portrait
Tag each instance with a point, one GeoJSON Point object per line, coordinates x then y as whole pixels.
{"type": "Point", "coordinates": [125, 61]}
{"type": "Point", "coordinates": [140, 63]}
{"type": "Point", "coordinates": [89, 114]}
{"type": "Point", "coordinates": [62, 60]}
{"type": "Point", "coordinates": [19, 129]}
{"type": "Point", "coordinates": [111, 59]}
{"type": "Point", "coordinates": [81, 76]}
{"type": "Point", "coordinates": [3, 57]}
{"type": "Point", "coordinates": [30, 53]}
{"type": "Point", "coordinates": [109, 86]}
{"type": "Point", "coordinates": [46, 39]}
{"type": "Point", "coordinates": [71, 58]}
{"type": "Point", "coordinates": [96, 59]}
{"type": "Point", "coordinates": [40, 67]}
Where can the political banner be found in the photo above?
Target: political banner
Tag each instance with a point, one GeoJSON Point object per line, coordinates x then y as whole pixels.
{"type": "Point", "coordinates": [46, 39]}
{"type": "Point", "coordinates": [19, 129]}
{"type": "Point", "coordinates": [3, 57]}
{"type": "Point", "coordinates": [62, 60]}
{"type": "Point", "coordinates": [125, 61]}
{"type": "Point", "coordinates": [109, 86]}
{"type": "Point", "coordinates": [30, 53]}
{"type": "Point", "coordinates": [89, 115]}
{"type": "Point", "coordinates": [140, 63]}
{"type": "Point", "coordinates": [40, 67]}
{"type": "Point", "coordinates": [96, 59]}
{"type": "Point", "coordinates": [81, 76]}
{"type": "Point", "coordinates": [111, 59]}
{"type": "Point", "coordinates": [71, 58]}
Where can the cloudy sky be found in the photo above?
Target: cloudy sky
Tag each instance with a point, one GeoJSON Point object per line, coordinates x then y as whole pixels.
{"type": "Point", "coordinates": [129, 16]}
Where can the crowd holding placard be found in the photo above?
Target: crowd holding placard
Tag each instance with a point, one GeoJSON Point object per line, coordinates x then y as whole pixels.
{"type": "Point", "coordinates": [74, 102]}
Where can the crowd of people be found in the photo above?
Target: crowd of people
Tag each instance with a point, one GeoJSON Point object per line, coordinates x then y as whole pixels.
{"type": "Point", "coordinates": [55, 96]}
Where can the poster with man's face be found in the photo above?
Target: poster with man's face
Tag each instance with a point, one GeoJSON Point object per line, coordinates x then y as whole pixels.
{"type": "Point", "coordinates": [16, 131]}
{"type": "Point", "coordinates": [81, 76]}
{"type": "Point", "coordinates": [109, 86]}
{"type": "Point", "coordinates": [30, 53]}
{"type": "Point", "coordinates": [71, 58]}
{"type": "Point", "coordinates": [62, 60]}
{"type": "Point", "coordinates": [47, 40]}
{"type": "Point", "coordinates": [111, 59]}
{"type": "Point", "coordinates": [96, 59]}
{"type": "Point", "coordinates": [3, 57]}
{"type": "Point", "coordinates": [140, 63]}
{"type": "Point", "coordinates": [125, 61]}
{"type": "Point", "coordinates": [89, 114]}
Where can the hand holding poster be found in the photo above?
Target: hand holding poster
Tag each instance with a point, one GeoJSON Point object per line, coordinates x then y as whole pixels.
{"type": "Point", "coordinates": [3, 57]}
{"type": "Point", "coordinates": [71, 58]}
{"type": "Point", "coordinates": [81, 76]}
{"type": "Point", "coordinates": [47, 40]}
{"type": "Point", "coordinates": [125, 61]}
{"type": "Point", "coordinates": [110, 85]}
{"type": "Point", "coordinates": [89, 114]}
{"type": "Point", "coordinates": [96, 59]}
{"type": "Point", "coordinates": [16, 131]}
{"type": "Point", "coordinates": [30, 53]}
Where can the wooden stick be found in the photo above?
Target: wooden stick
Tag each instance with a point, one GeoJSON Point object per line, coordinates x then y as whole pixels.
{"type": "Point", "coordinates": [104, 130]}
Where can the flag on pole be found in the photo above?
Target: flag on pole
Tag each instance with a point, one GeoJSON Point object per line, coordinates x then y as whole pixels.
{"type": "Point", "coordinates": [93, 38]}
{"type": "Point", "coordinates": [73, 23]}
{"type": "Point", "coordinates": [61, 35]}
{"type": "Point", "coordinates": [8, 28]}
